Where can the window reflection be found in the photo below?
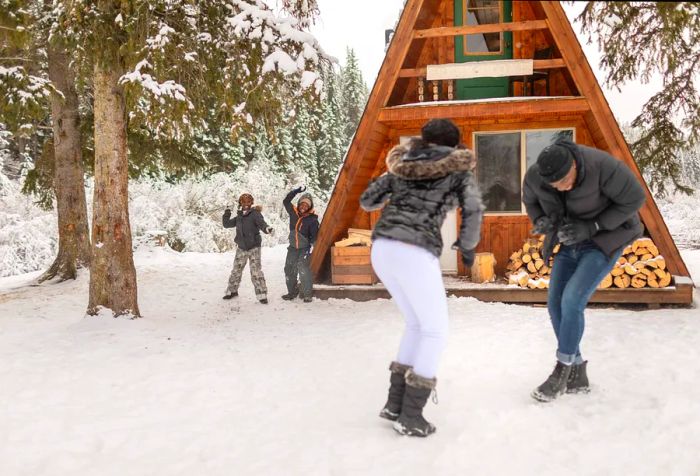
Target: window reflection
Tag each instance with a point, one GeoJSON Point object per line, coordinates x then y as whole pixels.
{"type": "Point", "coordinates": [498, 171]}
{"type": "Point", "coordinates": [483, 12]}
{"type": "Point", "coordinates": [536, 141]}
{"type": "Point", "coordinates": [499, 164]}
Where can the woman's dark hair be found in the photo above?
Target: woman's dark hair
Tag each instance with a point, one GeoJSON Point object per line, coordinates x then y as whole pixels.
{"type": "Point", "coordinates": [441, 132]}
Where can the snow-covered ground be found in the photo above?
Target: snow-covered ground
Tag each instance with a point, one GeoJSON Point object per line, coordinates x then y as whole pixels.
{"type": "Point", "coordinates": [201, 386]}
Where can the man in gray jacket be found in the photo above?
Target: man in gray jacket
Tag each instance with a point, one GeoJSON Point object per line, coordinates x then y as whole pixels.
{"type": "Point", "coordinates": [587, 201]}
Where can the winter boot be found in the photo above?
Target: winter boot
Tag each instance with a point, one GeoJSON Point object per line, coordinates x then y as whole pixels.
{"type": "Point", "coordinates": [263, 301]}
{"type": "Point", "coordinates": [289, 296]}
{"type": "Point", "coordinates": [230, 295]}
{"type": "Point", "coordinates": [308, 299]}
{"type": "Point", "coordinates": [411, 421]}
{"type": "Point", "coordinates": [392, 408]}
{"type": "Point", "coordinates": [578, 379]}
{"type": "Point", "coordinates": [555, 384]}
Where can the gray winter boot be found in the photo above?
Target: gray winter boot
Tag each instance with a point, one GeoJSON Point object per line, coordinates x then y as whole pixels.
{"type": "Point", "coordinates": [411, 421]}
{"type": "Point", "coordinates": [578, 379]}
{"type": "Point", "coordinates": [392, 408]}
{"type": "Point", "coordinates": [555, 384]}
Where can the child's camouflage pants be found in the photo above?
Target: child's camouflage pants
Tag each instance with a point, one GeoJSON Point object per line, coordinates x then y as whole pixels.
{"type": "Point", "coordinates": [256, 273]}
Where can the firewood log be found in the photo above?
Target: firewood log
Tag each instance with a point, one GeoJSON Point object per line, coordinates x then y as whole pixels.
{"type": "Point", "coordinates": [639, 280]}
{"type": "Point", "coordinates": [606, 282]}
{"type": "Point", "coordinates": [618, 271]}
{"type": "Point", "coordinates": [623, 281]}
{"type": "Point", "coordinates": [629, 269]}
{"type": "Point", "coordinates": [665, 281]}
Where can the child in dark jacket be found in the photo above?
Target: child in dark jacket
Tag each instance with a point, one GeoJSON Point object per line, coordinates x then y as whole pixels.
{"type": "Point", "coordinates": [426, 178]}
{"type": "Point", "coordinates": [303, 229]}
{"type": "Point", "coordinates": [248, 222]}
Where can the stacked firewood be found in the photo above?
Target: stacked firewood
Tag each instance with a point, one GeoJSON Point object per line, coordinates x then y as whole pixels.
{"type": "Point", "coordinates": [356, 237]}
{"type": "Point", "coordinates": [527, 267]}
{"type": "Point", "coordinates": [640, 266]}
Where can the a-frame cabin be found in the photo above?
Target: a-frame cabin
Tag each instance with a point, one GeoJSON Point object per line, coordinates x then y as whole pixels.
{"type": "Point", "coordinates": [512, 75]}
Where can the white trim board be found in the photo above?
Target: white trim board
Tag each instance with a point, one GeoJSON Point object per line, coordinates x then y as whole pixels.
{"type": "Point", "coordinates": [479, 69]}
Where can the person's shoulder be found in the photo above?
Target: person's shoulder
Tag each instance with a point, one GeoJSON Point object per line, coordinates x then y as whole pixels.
{"type": "Point", "coordinates": [594, 155]}
{"type": "Point", "coordinates": [532, 175]}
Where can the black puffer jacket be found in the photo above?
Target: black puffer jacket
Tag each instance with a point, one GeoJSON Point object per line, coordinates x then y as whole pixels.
{"type": "Point", "coordinates": [423, 183]}
{"type": "Point", "coordinates": [248, 227]}
{"type": "Point", "coordinates": [303, 229]}
{"type": "Point", "coordinates": [606, 192]}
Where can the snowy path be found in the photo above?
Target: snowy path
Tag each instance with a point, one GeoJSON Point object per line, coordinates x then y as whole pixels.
{"type": "Point", "coordinates": [197, 387]}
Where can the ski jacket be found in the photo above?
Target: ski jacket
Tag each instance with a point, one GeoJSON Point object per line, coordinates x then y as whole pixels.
{"type": "Point", "coordinates": [248, 227]}
{"type": "Point", "coordinates": [303, 229]}
{"type": "Point", "coordinates": [424, 182]}
{"type": "Point", "coordinates": [606, 192]}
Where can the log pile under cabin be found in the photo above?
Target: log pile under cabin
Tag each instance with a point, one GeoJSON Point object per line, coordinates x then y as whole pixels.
{"type": "Point", "coordinates": [350, 259]}
{"type": "Point", "coordinates": [640, 266]}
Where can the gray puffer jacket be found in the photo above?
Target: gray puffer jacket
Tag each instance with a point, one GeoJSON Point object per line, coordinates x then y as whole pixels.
{"type": "Point", "coordinates": [606, 192]}
{"type": "Point", "coordinates": [424, 182]}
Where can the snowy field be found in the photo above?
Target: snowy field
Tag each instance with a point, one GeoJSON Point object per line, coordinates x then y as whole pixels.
{"type": "Point", "coordinates": [201, 386]}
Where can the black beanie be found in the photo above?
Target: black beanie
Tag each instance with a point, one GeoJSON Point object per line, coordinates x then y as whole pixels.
{"type": "Point", "coordinates": [554, 162]}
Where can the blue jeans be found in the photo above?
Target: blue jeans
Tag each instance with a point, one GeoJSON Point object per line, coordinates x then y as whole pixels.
{"type": "Point", "coordinates": [576, 273]}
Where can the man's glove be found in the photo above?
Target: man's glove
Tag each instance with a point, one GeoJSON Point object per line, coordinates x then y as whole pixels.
{"type": "Point", "coordinates": [227, 211]}
{"type": "Point", "coordinates": [577, 231]}
{"type": "Point", "coordinates": [299, 189]}
{"type": "Point", "coordinates": [307, 253]}
{"type": "Point", "coordinates": [468, 257]}
{"type": "Point", "coordinates": [269, 230]}
{"type": "Point", "coordinates": [543, 225]}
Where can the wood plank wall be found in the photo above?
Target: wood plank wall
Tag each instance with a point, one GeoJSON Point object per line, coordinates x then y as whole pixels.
{"type": "Point", "coordinates": [501, 234]}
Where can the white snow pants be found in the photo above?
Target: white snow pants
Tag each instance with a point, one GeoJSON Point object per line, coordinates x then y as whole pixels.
{"type": "Point", "coordinates": [412, 276]}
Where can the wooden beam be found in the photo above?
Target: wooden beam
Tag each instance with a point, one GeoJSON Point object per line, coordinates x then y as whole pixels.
{"type": "Point", "coordinates": [537, 64]}
{"type": "Point", "coordinates": [497, 110]}
{"type": "Point", "coordinates": [587, 84]}
{"type": "Point", "coordinates": [475, 29]}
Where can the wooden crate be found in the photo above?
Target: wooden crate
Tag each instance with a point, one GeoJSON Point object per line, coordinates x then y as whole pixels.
{"type": "Point", "coordinates": [351, 265]}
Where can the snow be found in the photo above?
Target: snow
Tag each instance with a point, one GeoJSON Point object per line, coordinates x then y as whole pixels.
{"type": "Point", "coordinates": [206, 386]}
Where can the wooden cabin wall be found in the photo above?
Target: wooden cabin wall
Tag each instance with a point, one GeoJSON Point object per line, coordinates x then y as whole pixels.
{"type": "Point", "coordinates": [501, 234]}
{"type": "Point", "coordinates": [441, 50]}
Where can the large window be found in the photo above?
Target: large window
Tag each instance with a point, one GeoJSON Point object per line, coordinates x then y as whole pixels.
{"type": "Point", "coordinates": [503, 159]}
{"type": "Point", "coordinates": [482, 12]}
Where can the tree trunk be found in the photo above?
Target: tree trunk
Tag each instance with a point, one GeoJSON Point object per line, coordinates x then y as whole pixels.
{"type": "Point", "coordinates": [69, 185]}
{"type": "Point", "coordinates": [112, 272]}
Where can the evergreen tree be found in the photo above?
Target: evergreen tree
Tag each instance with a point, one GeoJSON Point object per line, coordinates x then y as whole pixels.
{"type": "Point", "coordinates": [49, 80]}
{"type": "Point", "coordinates": [168, 65]}
{"type": "Point", "coordinates": [304, 149]}
{"type": "Point", "coordinates": [283, 148]}
{"type": "Point", "coordinates": [354, 94]}
{"type": "Point", "coordinates": [638, 39]}
{"type": "Point", "coordinates": [331, 144]}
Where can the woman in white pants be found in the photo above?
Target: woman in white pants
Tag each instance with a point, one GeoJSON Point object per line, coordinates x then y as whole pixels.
{"type": "Point", "coordinates": [426, 178]}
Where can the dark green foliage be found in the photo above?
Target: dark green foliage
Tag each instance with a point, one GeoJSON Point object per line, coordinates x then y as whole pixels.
{"type": "Point", "coordinates": [639, 39]}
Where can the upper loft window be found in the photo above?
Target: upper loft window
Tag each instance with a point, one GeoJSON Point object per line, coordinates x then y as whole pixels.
{"type": "Point", "coordinates": [483, 12]}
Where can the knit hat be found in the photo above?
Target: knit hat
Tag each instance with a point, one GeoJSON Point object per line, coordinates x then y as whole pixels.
{"type": "Point", "coordinates": [554, 162]}
{"type": "Point", "coordinates": [246, 197]}
{"type": "Point", "coordinates": [306, 198]}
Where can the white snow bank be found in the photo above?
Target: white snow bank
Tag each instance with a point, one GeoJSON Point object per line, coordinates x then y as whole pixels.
{"type": "Point", "coordinates": [205, 386]}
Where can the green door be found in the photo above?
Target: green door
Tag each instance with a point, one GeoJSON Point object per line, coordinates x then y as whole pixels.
{"type": "Point", "coordinates": [483, 47]}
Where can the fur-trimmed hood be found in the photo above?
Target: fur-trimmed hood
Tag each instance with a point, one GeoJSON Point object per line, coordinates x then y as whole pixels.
{"type": "Point", "coordinates": [418, 160]}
